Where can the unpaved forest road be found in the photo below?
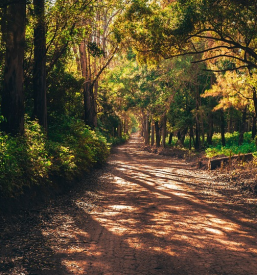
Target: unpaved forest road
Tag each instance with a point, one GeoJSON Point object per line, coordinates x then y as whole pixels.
{"type": "Point", "coordinates": [149, 214]}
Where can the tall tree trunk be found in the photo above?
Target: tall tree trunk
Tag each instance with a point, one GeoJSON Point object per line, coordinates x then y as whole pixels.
{"type": "Point", "coordinates": [147, 128]}
{"type": "Point", "coordinates": [170, 138]}
{"type": "Point", "coordinates": [210, 130]}
{"type": "Point", "coordinates": [197, 121]}
{"type": "Point", "coordinates": [13, 28]}
{"type": "Point", "coordinates": [191, 135]}
{"type": "Point", "coordinates": [222, 128]}
{"type": "Point", "coordinates": [183, 134]}
{"type": "Point", "coordinates": [152, 133]}
{"type": "Point", "coordinates": [157, 134]}
{"type": "Point", "coordinates": [77, 58]}
{"type": "Point", "coordinates": [39, 72]}
{"type": "Point", "coordinates": [254, 126]}
{"type": "Point", "coordinates": [89, 101]}
{"type": "Point", "coordinates": [243, 127]}
{"type": "Point", "coordinates": [95, 91]}
{"type": "Point", "coordinates": [164, 131]}
{"type": "Point", "coordinates": [255, 113]}
{"type": "Point", "coordinates": [197, 136]}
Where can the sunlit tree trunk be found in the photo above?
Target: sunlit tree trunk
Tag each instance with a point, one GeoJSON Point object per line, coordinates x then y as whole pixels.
{"type": "Point", "coordinates": [77, 58]}
{"type": "Point", "coordinates": [89, 100]}
{"type": "Point", "coordinates": [39, 72]}
{"type": "Point", "coordinates": [13, 28]}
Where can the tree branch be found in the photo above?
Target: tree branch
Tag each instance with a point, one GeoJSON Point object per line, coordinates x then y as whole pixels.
{"type": "Point", "coordinates": [228, 69]}
{"type": "Point", "coordinates": [229, 56]}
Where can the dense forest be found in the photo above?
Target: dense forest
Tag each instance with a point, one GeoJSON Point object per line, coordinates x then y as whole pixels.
{"type": "Point", "coordinates": [77, 76]}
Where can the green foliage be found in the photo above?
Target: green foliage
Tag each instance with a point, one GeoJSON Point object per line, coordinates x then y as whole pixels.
{"type": "Point", "coordinates": [232, 146]}
{"type": "Point", "coordinates": [118, 140]}
{"type": "Point", "coordinates": [70, 150]}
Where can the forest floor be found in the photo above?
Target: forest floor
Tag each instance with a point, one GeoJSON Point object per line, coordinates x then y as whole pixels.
{"type": "Point", "coordinates": [142, 213]}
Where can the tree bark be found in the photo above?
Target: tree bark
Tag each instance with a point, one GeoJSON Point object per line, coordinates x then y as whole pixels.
{"type": "Point", "coordinates": [222, 128]}
{"type": "Point", "coordinates": [152, 133]}
{"type": "Point", "coordinates": [255, 113]}
{"type": "Point", "coordinates": [13, 28]}
{"type": "Point", "coordinates": [210, 130]}
{"type": "Point", "coordinates": [197, 136]}
{"type": "Point", "coordinates": [157, 134]}
{"type": "Point", "coordinates": [164, 131]}
{"type": "Point", "coordinates": [89, 100]}
{"type": "Point", "coordinates": [146, 134]}
{"type": "Point", "coordinates": [243, 127]}
{"type": "Point", "coordinates": [170, 138]}
{"type": "Point", "coordinates": [39, 72]}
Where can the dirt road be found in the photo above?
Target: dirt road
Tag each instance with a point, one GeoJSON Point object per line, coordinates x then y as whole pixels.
{"type": "Point", "coordinates": [147, 214]}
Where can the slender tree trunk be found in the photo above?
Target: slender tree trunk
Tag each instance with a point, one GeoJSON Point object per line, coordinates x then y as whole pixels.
{"type": "Point", "coordinates": [210, 130]}
{"type": "Point", "coordinates": [119, 130]}
{"type": "Point", "coordinates": [222, 128]}
{"type": "Point", "coordinates": [191, 134]}
{"type": "Point", "coordinates": [157, 134]}
{"type": "Point", "coordinates": [13, 28]}
{"type": "Point", "coordinates": [254, 126]}
{"type": "Point", "coordinates": [170, 138]}
{"type": "Point", "coordinates": [197, 136]}
{"type": "Point", "coordinates": [255, 113]}
{"type": "Point", "coordinates": [243, 127]}
{"type": "Point", "coordinates": [77, 58]}
{"type": "Point", "coordinates": [183, 135]}
{"type": "Point", "coordinates": [39, 72]}
{"type": "Point", "coordinates": [152, 133]}
{"type": "Point", "coordinates": [179, 135]}
{"type": "Point", "coordinates": [89, 100]}
{"type": "Point", "coordinates": [146, 134]}
{"type": "Point", "coordinates": [164, 131]}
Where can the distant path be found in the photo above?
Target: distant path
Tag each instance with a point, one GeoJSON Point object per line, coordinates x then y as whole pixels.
{"type": "Point", "coordinates": [148, 215]}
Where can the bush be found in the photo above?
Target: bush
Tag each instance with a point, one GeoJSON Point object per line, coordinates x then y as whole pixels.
{"type": "Point", "coordinates": [232, 147]}
{"type": "Point", "coordinates": [34, 159]}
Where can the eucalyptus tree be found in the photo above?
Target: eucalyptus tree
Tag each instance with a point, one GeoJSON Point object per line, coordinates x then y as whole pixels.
{"type": "Point", "coordinates": [13, 25]}
{"type": "Point", "coordinates": [96, 51]}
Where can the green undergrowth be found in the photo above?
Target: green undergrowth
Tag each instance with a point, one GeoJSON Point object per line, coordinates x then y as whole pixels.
{"type": "Point", "coordinates": [232, 147]}
{"type": "Point", "coordinates": [69, 150]}
{"type": "Point", "coordinates": [118, 140]}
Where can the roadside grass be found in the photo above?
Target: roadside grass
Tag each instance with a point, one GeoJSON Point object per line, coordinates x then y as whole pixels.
{"type": "Point", "coordinates": [231, 148]}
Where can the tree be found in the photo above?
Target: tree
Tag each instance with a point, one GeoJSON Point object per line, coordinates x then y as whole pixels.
{"type": "Point", "coordinates": [224, 29]}
{"type": "Point", "coordinates": [13, 29]}
{"type": "Point", "coordinates": [39, 71]}
{"type": "Point", "coordinates": [97, 50]}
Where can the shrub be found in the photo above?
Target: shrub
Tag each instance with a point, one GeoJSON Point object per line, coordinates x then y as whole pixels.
{"type": "Point", "coordinates": [34, 159]}
{"type": "Point", "coordinates": [232, 146]}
